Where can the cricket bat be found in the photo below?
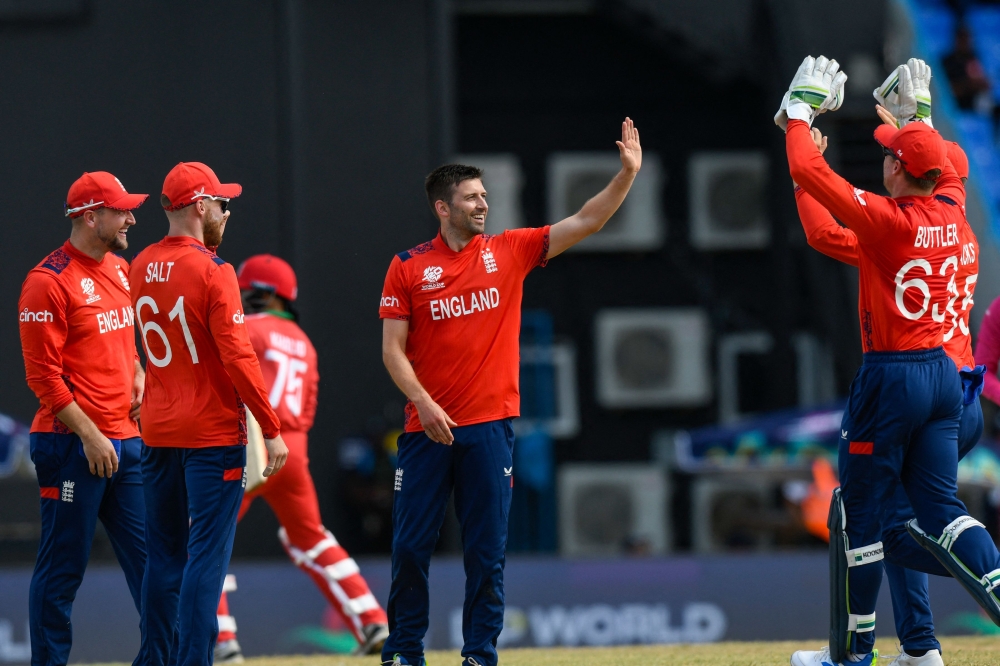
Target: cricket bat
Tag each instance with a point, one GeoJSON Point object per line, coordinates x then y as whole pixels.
{"type": "Point", "coordinates": [256, 454]}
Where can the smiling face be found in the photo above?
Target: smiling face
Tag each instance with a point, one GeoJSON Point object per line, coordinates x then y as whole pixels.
{"type": "Point", "coordinates": [111, 227]}
{"type": "Point", "coordinates": [466, 212]}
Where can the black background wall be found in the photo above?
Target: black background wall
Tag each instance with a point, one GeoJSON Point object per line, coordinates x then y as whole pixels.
{"type": "Point", "coordinates": [330, 114]}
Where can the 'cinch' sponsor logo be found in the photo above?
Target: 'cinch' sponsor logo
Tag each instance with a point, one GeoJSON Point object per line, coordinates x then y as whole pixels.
{"type": "Point", "coordinates": [40, 316]}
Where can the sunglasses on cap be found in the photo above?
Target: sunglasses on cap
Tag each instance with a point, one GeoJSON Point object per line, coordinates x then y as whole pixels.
{"type": "Point", "coordinates": [888, 153]}
{"type": "Point", "coordinates": [223, 201]}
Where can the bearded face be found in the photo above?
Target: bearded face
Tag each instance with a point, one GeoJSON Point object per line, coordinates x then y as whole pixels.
{"type": "Point", "coordinates": [112, 226]}
{"type": "Point", "coordinates": [215, 223]}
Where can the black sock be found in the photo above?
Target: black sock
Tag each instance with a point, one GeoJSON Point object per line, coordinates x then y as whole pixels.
{"type": "Point", "coordinates": [916, 653]}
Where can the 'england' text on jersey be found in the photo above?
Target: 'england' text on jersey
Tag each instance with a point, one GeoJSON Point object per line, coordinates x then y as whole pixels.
{"type": "Point", "coordinates": [445, 308]}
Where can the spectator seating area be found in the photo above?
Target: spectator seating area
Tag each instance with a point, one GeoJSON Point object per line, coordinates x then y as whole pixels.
{"type": "Point", "coordinates": [935, 26]}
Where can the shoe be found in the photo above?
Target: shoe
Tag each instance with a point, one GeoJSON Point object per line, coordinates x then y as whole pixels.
{"type": "Point", "coordinates": [823, 658]}
{"type": "Point", "coordinates": [228, 652]}
{"type": "Point", "coordinates": [375, 635]}
{"type": "Point", "coordinates": [400, 660]}
{"type": "Point", "coordinates": [932, 658]}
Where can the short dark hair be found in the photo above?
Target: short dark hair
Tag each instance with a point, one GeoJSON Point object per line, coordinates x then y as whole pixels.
{"type": "Point", "coordinates": [925, 182]}
{"type": "Point", "coordinates": [440, 183]}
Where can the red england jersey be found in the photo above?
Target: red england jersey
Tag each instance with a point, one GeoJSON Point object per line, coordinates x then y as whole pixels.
{"type": "Point", "coordinates": [75, 317]}
{"type": "Point", "coordinates": [909, 250]}
{"type": "Point", "coordinates": [824, 234]}
{"type": "Point", "coordinates": [201, 366]}
{"type": "Point", "coordinates": [464, 313]}
{"type": "Point", "coordinates": [288, 361]}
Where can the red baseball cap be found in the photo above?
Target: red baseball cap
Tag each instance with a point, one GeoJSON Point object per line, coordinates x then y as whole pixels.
{"type": "Point", "coordinates": [189, 181]}
{"type": "Point", "coordinates": [920, 148]}
{"type": "Point", "coordinates": [99, 189]}
{"type": "Point", "coordinates": [268, 272]}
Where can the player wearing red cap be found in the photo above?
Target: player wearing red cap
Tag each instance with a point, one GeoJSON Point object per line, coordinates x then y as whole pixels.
{"type": "Point", "coordinates": [902, 419]}
{"type": "Point", "coordinates": [75, 318]}
{"type": "Point", "coordinates": [909, 588]}
{"type": "Point", "coordinates": [288, 361]}
{"type": "Point", "coordinates": [451, 316]}
{"type": "Point", "coordinates": [202, 374]}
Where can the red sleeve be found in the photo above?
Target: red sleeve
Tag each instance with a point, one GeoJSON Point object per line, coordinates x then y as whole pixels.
{"type": "Point", "coordinates": [43, 329]}
{"type": "Point", "coordinates": [958, 159]}
{"type": "Point", "coordinates": [311, 395]}
{"type": "Point", "coordinates": [868, 215]}
{"type": "Point", "coordinates": [988, 350]}
{"type": "Point", "coordinates": [227, 327]}
{"type": "Point", "coordinates": [530, 245]}
{"type": "Point", "coordinates": [950, 183]}
{"type": "Point", "coordinates": [395, 303]}
{"type": "Point", "coordinates": [822, 231]}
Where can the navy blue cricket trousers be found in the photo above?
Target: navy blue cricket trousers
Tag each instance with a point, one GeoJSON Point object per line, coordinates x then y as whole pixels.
{"type": "Point", "coordinates": [479, 467]}
{"type": "Point", "coordinates": [72, 501]}
{"type": "Point", "coordinates": [906, 561]}
{"type": "Point", "coordinates": [901, 426]}
{"type": "Point", "coordinates": [192, 499]}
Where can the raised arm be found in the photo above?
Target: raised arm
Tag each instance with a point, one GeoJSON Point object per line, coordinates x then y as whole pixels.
{"type": "Point", "coordinates": [870, 216]}
{"type": "Point", "coordinates": [437, 424]}
{"type": "Point", "coordinates": [599, 209]}
{"type": "Point", "coordinates": [822, 231]}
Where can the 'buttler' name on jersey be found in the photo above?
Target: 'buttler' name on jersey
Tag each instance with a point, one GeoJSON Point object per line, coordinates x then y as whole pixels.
{"type": "Point", "coordinates": [464, 313]}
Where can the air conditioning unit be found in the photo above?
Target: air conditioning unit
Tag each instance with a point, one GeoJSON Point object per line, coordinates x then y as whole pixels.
{"type": "Point", "coordinates": [731, 513]}
{"type": "Point", "coordinates": [503, 180]}
{"type": "Point", "coordinates": [728, 200]}
{"type": "Point", "coordinates": [613, 509]}
{"type": "Point", "coordinates": [555, 366]}
{"type": "Point", "coordinates": [573, 178]}
{"type": "Point", "coordinates": [653, 357]}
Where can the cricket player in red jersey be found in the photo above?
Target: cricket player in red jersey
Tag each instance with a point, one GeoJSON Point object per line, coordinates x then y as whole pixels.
{"type": "Point", "coordinates": [451, 313]}
{"type": "Point", "coordinates": [202, 374]}
{"type": "Point", "coordinates": [909, 586]}
{"type": "Point", "coordinates": [906, 403]}
{"type": "Point", "coordinates": [288, 360]}
{"type": "Point", "coordinates": [75, 316]}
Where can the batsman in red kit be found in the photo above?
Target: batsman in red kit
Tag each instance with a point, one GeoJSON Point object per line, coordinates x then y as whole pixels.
{"type": "Point", "coordinates": [288, 361]}
{"type": "Point", "coordinates": [202, 374]}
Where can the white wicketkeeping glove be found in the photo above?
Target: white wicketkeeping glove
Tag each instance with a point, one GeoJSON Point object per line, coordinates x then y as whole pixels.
{"type": "Point", "coordinates": [818, 86]}
{"type": "Point", "coordinates": [906, 93]}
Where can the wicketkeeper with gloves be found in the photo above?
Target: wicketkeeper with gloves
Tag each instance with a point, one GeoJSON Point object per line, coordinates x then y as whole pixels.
{"type": "Point", "coordinates": [907, 402]}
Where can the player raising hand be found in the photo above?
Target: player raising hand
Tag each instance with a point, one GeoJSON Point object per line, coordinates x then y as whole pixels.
{"type": "Point", "coordinates": [451, 313]}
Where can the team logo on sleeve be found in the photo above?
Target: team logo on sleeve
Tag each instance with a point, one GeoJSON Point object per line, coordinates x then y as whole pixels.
{"type": "Point", "coordinates": [432, 276]}
{"type": "Point", "coordinates": [121, 275]}
{"type": "Point", "coordinates": [87, 285]}
{"type": "Point", "coordinates": [489, 261]}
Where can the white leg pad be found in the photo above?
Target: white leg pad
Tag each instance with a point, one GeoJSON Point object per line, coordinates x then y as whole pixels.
{"type": "Point", "coordinates": [861, 623]}
{"type": "Point", "coordinates": [342, 569]}
{"type": "Point", "coordinates": [362, 604]}
{"type": "Point", "coordinates": [991, 580]}
{"type": "Point", "coordinates": [955, 528]}
{"type": "Point", "coordinates": [865, 555]}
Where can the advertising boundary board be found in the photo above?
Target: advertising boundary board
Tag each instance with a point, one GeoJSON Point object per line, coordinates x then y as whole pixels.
{"type": "Point", "coordinates": [550, 601]}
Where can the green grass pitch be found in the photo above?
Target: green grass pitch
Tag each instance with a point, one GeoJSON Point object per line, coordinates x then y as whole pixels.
{"type": "Point", "coordinates": [958, 651]}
